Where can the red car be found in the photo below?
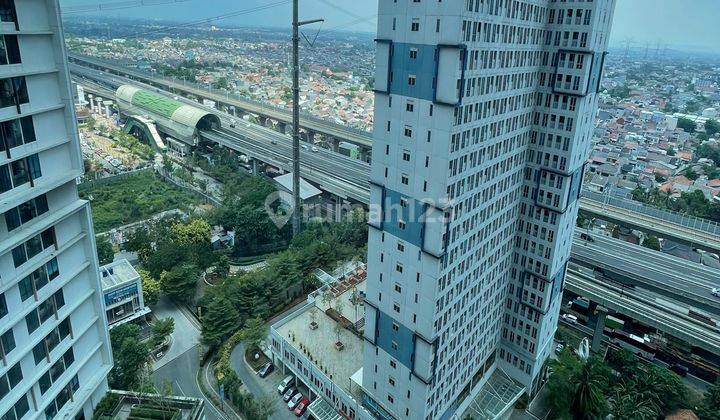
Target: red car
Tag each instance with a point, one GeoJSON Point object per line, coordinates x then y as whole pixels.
{"type": "Point", "coordinates": [301, 407]}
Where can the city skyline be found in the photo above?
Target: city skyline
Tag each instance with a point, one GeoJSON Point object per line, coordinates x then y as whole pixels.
{"type": "Point", "coordinates": [682, 27]}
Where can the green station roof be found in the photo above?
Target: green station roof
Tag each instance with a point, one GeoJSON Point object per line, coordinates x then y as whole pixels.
{"type": "Point", "coordinates": [155, 103]}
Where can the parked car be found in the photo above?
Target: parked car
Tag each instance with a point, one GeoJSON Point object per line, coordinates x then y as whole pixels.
{"type": "Point", "coordinates": [715, 291]}
{"type": "Point", "coordinates": [570, 318]}
{"type": "Point", "coordinates": [294, 401]}
{"type": "Point", "coordinates": [559, 348]}
{"type": "Point", "coordinates": [301, 407]}
{"type": "Point", "coordinates": [266, 369]}
{"type": "Point", "coordinates": [289, 393]}
{"type": "Point", "coordinates": [285, 384]}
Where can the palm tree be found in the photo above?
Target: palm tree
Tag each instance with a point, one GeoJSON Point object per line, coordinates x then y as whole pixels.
{"type": "Point", "coordinates": [628, 403]}
{"type": "Point", "coordinates": [588, 401]}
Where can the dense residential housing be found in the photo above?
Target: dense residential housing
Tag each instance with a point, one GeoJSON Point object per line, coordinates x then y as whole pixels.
{"type": "Point", "coordinates": [55, 349]}
{"type": "Point", "coordinates": [484, 112]}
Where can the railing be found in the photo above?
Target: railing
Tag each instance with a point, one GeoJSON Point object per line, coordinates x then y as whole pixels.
{"type": "Point", "coordinates": [221, 92]}
{"type": "Point", "coordinates": [669, 216]}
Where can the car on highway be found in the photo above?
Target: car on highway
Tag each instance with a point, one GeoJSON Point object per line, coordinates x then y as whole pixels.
{"type": "Point", "coordinates": [233, 123]}
{"type": "Point", "coordinates": [304, 146]}
{"type": "Point", "coordinates": [266, 369]}
{"type": "Point", "coordinates": [570, 318]}
{"type": "Point", "coordinates": [289, 393]}
{"type": "Point", "coordinates": [314, 149]}
{"type": "Point", "coordinates": [294, 401]}
{"type": "Point", "coordinates": [273, 141]}
{"type": "Point", "coordinates": [301, 407]}
{"type": "Point", "coordinates": [285, 384]}
{"type": "Point", "coordinates": [586, 237]}
{"type": "Point", "coordinates": [715, 291]}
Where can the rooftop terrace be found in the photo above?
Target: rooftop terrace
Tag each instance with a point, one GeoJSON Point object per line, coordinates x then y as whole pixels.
{"type": "Point", "coordinates": [117, 273]}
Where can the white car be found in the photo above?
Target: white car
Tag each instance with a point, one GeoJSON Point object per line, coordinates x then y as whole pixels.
{"type": "Point", "coordinates": [314, 149]}
{"type": "Point", "coordinates": [570, 318]}
{"type": "Point", "coordinates": [285, 384]}
{"type": "Point", "coordinates": [715, 291]}
{"type": "Point", "coordinates": [295, 400]}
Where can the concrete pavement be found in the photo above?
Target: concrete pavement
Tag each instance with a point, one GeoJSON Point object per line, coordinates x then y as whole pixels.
{"type": "Point", "coordinates": [260, 386]}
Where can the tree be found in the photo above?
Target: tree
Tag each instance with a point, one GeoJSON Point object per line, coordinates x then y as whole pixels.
{"type": "Point", "coordinates": [588, 400]}
{"type": "Point", "coordinates": [160, 330]}
{"type": "Point", "coordinates": [620, 92]}
{"type": "Point", "coordinates": [629, 404]}
{"type": "Point", "coordinates": [253, 333]}
{"type": "Point", "coordinates": [708, 409]}
{"type": "Point", "coordinates": [219, 319]}
{"type": "Point", "coordinates": [687, 124]}
{"type": "Point", "coordinates": [690, 174]}
{"type": "Point", "coordinates": [712, 127]}
{"type": "Point", "coordinates": [180, 282]}
{"type": "Point", "coordinates": [670, 151]}
{"type": "Point", "coordinates": [105, 251]}
{"type": "Point", "coordinates": [150, 286]}
{"type": "Point", "coordinates": [652, 242]}
{"type": "Point", "coordinates": [222, 267]}
{"type": "Point", "coordinates": [167, 164]}
{"type": "Point", "coordinates": [131, 357]}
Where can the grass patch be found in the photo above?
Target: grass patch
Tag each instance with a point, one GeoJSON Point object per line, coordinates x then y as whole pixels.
{"type": "Point", "coordinates": [255, 364]}
{"type": "Point", "coordinates": [132, 199]}
{"type": "Point", "coordinates": [250, 260]}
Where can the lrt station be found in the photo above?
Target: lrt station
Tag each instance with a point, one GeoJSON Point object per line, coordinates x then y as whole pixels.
{"type": "Point", "coordinates": [162, 122]}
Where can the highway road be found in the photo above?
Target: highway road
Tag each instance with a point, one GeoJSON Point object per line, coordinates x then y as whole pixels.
{"type": "Point", "coordinates": [307, 122]}
{"type": "Point", "coordinates": [645, 307]}
{"type": "Point", "coordinates": [673, 277]}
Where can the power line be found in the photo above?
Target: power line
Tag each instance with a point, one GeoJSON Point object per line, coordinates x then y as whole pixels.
{"type": "Point", "coordinates": [119, 5]}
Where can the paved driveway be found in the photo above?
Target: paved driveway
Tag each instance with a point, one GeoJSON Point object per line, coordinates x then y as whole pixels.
{"type": "Point", "coordinates": [260, 386]}
{"type": "Point", "coordinates": [185, 336]}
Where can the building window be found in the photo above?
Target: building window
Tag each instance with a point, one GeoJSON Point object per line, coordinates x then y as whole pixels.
{"type": "Point", "coordinates": [13, 92]}
{"type": "Point", "coordinates": [17, 132]}
{"type": "Point", "coordinates": [411, 80]}
{"type": "Point", "coordinates": [9, 50]}
{"type": "Point", "coordinates": [391, 381]}
{"type": "Point", "coordinates": [44, 311]}
{"type": "Point", "coordinates": [18, 410]}
{"type": "Point", "coordinates": [437, 25]}
{"type": "Point", "coordinates": [18, 216]}
{"type": "Point", "coordinates": [403, 202]}
{"type": "Point", "coordinates": [391, 399]}
{"type": "Point", "coordinates": [400, 247]}
{"type": "Point", "coordinates": [399, 268]}
{"type": "Point", "coordinates": [7, 343]}
{"type": "Point", "coordinates": [415, 25]}
{"type": "Point", "coordinates": [408, 131]}
{"type": "Point", "coordinates": [398, 288]}
{"type": "Point", "coordinates": [393, 364]}
{"type": "Point", "coordinates": [63, 397]}
{"type": "Point", "coordinates": [413, 53]}
{"type": "Point", "coordinates": [404, 179]}
{"type": "Point", "coordinates": [54, 373]}
{"type": "Point", "coordinates": [409, 106]}
{"type": "Point", "coordinates": [406, 156]}
{"type": "Point", "coordinates": [19, 172]}
{"type": "Point", "coordinates": [394, 345]}
{"type": "Point", "coordinates": [7, 13]}
{"type": "Point", "coordinates": [35, 281]}
{"type": "Point", "coordinates": [3, 306]}
{"type": "Point", "coordinates": [395, 327]}
{"type": "Point", "coordinates": [10, 380]}
{"type": "Point", "coordinates": [401, 225]}
{"type": "Point", "coordinates": [33, 247]}
{"type": "Point", "coordinates": [396, 307]}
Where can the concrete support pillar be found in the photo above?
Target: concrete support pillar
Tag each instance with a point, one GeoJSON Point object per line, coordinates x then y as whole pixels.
{"type": "Point", "coordinates": [364, 154]}
{"type": "Point", "coordinates": [98, 105]}
{"type": "Point", "coordinates": [310, 136]}
{"type": "Point", "coordinates": [107, 105]}
{"type": "Point", "coordinates": [262, 120]}
{"type": "Point", "coordinates": [334, 144]}
{"type": "Point", "coordinates": [599, 326]}
{"type": "Point", "coordinates": [91, 100]}
{"type": "Point", "coordinates": [281, 127]}
{"type": "Point", "coordinates": [255, 167]}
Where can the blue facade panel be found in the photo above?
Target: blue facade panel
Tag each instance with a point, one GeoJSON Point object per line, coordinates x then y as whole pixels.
{"type": "Point", "coordinates": [575, 185]}
{"type": "Point", "coordinates": [557, 284]}
{"type": "Point", "coordinates": [395, 339]}
{"type": "Point", "coordinates": [411, 215]}
{"type": "Point", "coordinates": [423, 67]}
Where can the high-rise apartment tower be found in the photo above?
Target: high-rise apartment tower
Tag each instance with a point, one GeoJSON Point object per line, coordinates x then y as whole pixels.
{"type": "Point", "coordinates": [483, 117]}
{"type": "Point", "coordinates": [54, 347]}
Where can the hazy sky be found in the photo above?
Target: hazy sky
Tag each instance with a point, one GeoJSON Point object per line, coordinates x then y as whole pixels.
{"type": "Point", "coordinates": [692, 24]}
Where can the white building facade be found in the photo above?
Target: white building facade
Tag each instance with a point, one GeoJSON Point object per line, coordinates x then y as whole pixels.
{"type": "Point", "coordinates": [55, 348]}
{"type": "Point", "coordinates": [483, 116]}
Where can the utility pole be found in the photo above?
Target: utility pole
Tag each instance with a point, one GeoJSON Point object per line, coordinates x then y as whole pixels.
{"type": "Point", "coordinates": [297, 210]}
